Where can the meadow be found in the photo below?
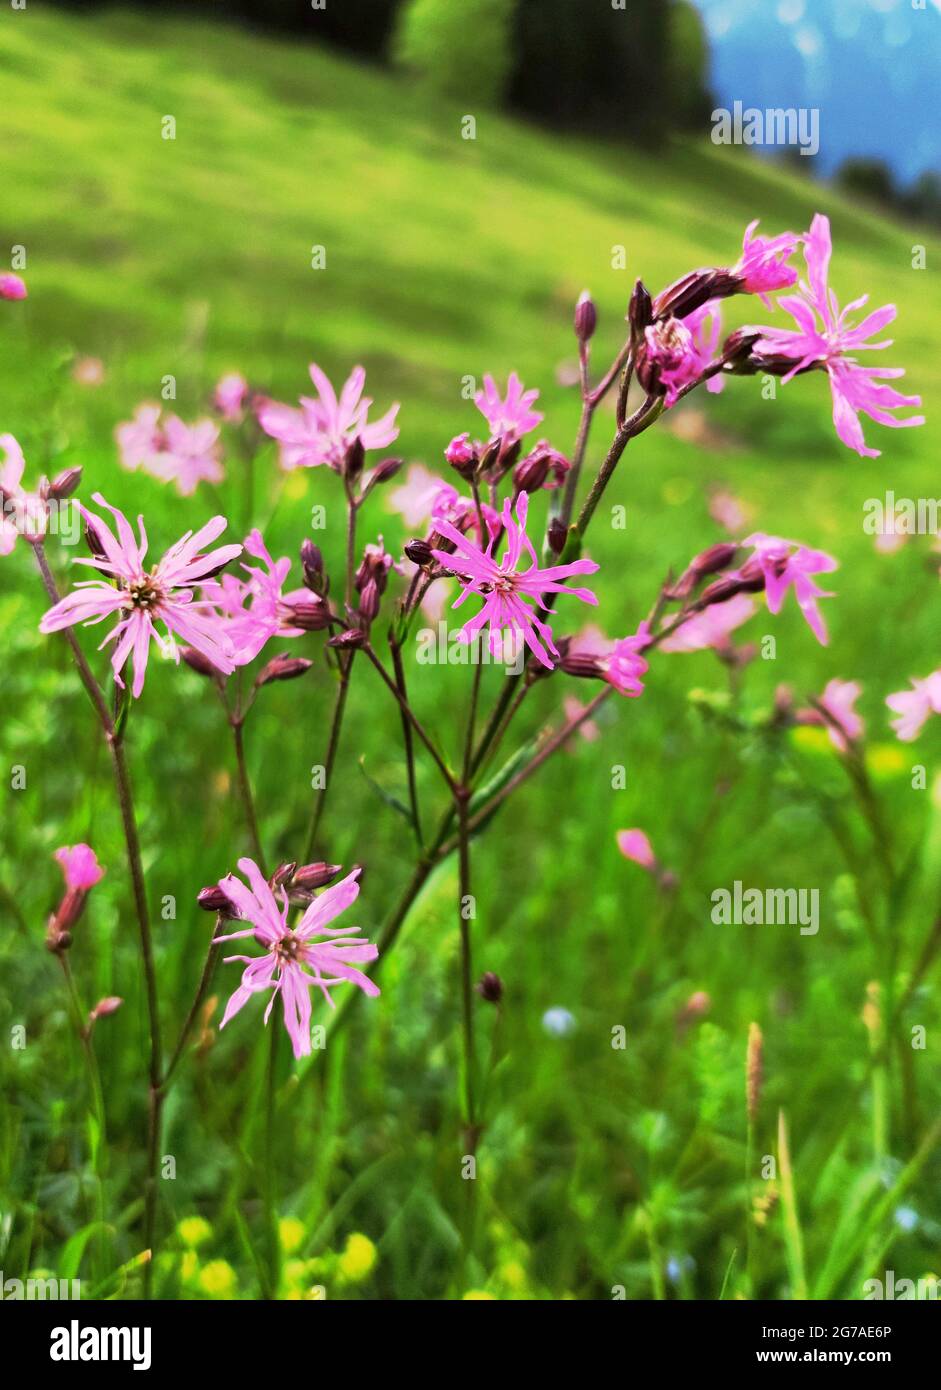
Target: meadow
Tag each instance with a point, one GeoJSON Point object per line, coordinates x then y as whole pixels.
{"type": "Point", "coordinates": [598, 1167]}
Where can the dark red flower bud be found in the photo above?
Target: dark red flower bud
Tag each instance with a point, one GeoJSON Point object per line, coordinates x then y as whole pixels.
{"type": "Point", "coordinates": [93, 542]}
{"type": "Point", "coordinates": [419, 552]}
{"type": "Point", "coordinates": [317, 875]}
{"type": "Point", "coordinates": [533, 472]}
{"type": "Point", "coordinates": [312, 565]}
{"type": "Point", "coordinates": [693, 290]}
{"type": "Point", "coordinates": [65, 484]}
{"type": "Point", "coordinates": [640, 311]}
{"type": "Point", "coordinates": [353, 639]}
{"type": "Point", "coordinates": [310, 615]}
{"type": "Point", "coordinates": [213, 899]}
{"type": "Point", "coordinates": [196, 661]}
{"type": "Point", "coordinates": [283, 668]}
{"type": "Point", "coordinates": [557, 535]}
{"type": "Point", "coordinates": [282, 874]}
{"type": "Point", "coordinates": [384, 471]}
{"type": "Point", "coordinates": [490, 987]}
{"type": "Point", "coordinates": [355, 458]}
{"type": "Point", "coordinates": [717, 557]}
{"type": "Point", "coordinates": [586, 317]}
{"type": "Point", "coordinates": [586, 665]}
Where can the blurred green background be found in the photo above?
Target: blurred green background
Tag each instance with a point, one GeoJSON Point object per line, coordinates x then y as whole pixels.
{"type": "Point", "coordinates": [446, 258]}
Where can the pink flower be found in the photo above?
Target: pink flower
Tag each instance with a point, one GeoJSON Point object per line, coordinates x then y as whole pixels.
{"type": "Point", "coordinates": [785, 565]}
{"type": "Point", "coordinates": [588, 729]}
{"type": "Point", "coordinates": [140, 438]}
{"type": "Point", "coordinates": [503, 590]}
{"type": "Point", "coordinates": [712, 627]}
{"type": "Point", "coordinates": [625, 665]}
{"type": "Point", "coordinates": [230, 396]}
{"type": "Point", "coordinates": [763, 263]}
{"type": "Point", "coordinates": [141, 598]}
{"type": "Point", "coordinates": [511, 417]}
{"type": "Point", "coordinates": [88, 371]}
{"type": "Point", "coordinates": [677, 351]}
{"type": "Point", "coordinates": [323, 429]}
{"type": "Point", "coordinates": [843, 724]}
{"type": "Point", "coordinates": [190, 455]}
{"type": "Point", "coordinates": [635, 845]}
{"type": "Point", "coordinates": [12, 287]}
{"type": "Point", "coordinates": [461, 451]}
{"type": "Point", "coordinates": [256, 609]}
{"type": "Point", "coordinates": [831, 344]}
{"type": "Point", "coordinates": [289, 951]}
{"type": "Point", "coordinates": [79, 866]}
{"type": "Point", "coordinates": [705, 325]}
{"type": "Point", "coordinates": [727, 511]}
{"type": "Point", "coordinates": [415, 498]}
{"type": "Point", "coordinates": [914, 706]}
{"type": "Point", "coordinates": [23, 513]}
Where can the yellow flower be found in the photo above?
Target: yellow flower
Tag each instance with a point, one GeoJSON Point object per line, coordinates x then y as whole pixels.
{"type": "Point", "coordinates": [358, 1258]}
{"type": "Point", "coordinates": [513, 1274]}
{"type": "Point", "coordinates": [217, 1278]}
{"type": "Point", "coordinates": [478, 1296]}
{"type": "Point", "coordinates": [292, 1232]}
{"type": "Point", "coordinates": [193, 1230]}
{"type": "Point", "coordinates": [189, 1265]}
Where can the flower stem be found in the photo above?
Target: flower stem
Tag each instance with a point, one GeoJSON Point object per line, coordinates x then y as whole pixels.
{"type": "Point", "coordinates": [336, 725]}
{"type": "Point", "coordinates": [115, 742]}
{"type": "Point", "coordinates": [413, 718]}
{"type": "Point", "coordinates": [245, 788]}
{"type": "Point", "coordinates": [409, 743]}
{"type": "Point", "coordinates": [465, 907]}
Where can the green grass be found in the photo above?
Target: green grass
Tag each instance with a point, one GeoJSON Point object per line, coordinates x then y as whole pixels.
{"type": "Point", "coordinates": [446, 258]}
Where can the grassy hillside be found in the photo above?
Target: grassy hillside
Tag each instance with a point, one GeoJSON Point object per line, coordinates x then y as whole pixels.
{"type": "Point", "coordinates": [446, 258]}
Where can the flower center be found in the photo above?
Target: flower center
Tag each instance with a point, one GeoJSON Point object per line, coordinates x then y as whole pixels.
{"type": "Point", "coordinates": [144, 592]}
{"type": "Point", "coordinates": [287, 948]}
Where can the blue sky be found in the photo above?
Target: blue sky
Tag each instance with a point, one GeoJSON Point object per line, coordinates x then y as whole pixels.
{"type": "Point", "coordinates": [871, 67]}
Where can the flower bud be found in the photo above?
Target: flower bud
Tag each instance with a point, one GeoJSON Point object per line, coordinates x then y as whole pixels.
{"type": "Point", "coordinates": [490, 987]}
{"type": "Point", "coordinates": [717, 557]}
{"type": "Point", "coordinates": [384, 471]}
{"type": "Point", "coordinates": [351, 640]}
{"type": "Point", "coordinates": [462, 455]}
{"type": "Point", "coordinates": [64, 484]}
{"type": "Point", "coordinates": [557, 535]}
{"type": "Point", "coordinates": [640, 311]}
{"type": "Point", "coordinates": [213, 899]}
{"type": "Point", "coordinates": [544, 467]}
{"type": "Point", "coordinates": [693, 290]}
{"type": "Point", "coordinates": [736, 350]}
{"type": "Point", "coordinates": [283, 668]}
{"type": "Point", "coordinates": [109, 1005]}
{"type": "Point", "coordinates": [355, 458]}
{"type": "Point", "coordinates": [196, 661]}
{"type": "Point", "coordinates": [92, 540]}
{"type": "Point", "coordinates": [419, 552]}
{"type": "Point", "coordinates": [586, 317]}
{"type": "Point", "coordinates": [317, 875]}
{"type": "Point", "coordinates": [312, 565]}
{"type": "Point", "coordinates": [282, 874]}
{"type": "Point", "coordinates": [310, 615]}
